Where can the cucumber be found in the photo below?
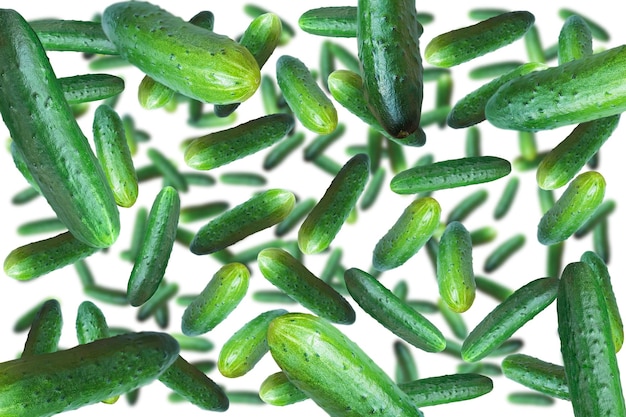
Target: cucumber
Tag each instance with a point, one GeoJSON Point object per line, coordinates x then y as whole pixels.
{"type": "Point", "coordinates": [462, 45]}
{"type": "Point", "coordinates": [388, 45]}
{"type": "Point", "coordinates": [55, 150]}
{"type": "Point", "coordinates": [50, 383]}
{"type": "Point", "coordinates": [189, 59]}
{"type": "Point", "coordinates": [536, 374]}
{"type": "Point", "coordinates": [467, 206]}
{"type": "Point", "coordinates": [506, 199]}
{"type": "Point", "coordinates": [90, 87]}
{"type": "Point", "coordinates": [587, 345]}
{"type": "Point", "coordinates": [277, 390]}
{"type": "Point", "coordinates": [597, 31]}
{"type": "Point", "coordinates": [406, 368]}
{"type": "Point", "coordinates": [574, 40]}
{"type": "Point", "coordinates": [318, 359]}
{"type": "Point", "coordinates": [73, 35]}
{"type": "Point", "coordinates": [446, 389]}
{"type": "Point", "coordinates": [504, 251]}
{"type": "Point", "coordinates": [45, 330]}
{"type": "Point", "coordinates": [575, 92]}
{"type": "Point", "coordinates": [455, 274]}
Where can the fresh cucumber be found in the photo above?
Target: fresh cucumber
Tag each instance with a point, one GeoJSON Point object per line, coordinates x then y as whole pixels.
{"type": "Point", "coordinates": [73, 35]}
{"type": "Point", "coordinates": [455, 273]}
{"type": "Point", "coordinates": [45, 330]}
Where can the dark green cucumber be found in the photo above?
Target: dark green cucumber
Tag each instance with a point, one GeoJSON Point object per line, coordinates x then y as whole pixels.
{"type": "Point", "coordinates": [388, 43]}
{"type": "Point", "coordinates": [536, 374]}
{"type": "Point", "coordinates": [447, 388]}
{"type": "Point", "coordinates": [90, 87]}
{"type": "Point", "coordinates": [55, 150]}
{"type": "Point", "coordinates": [189, 59]}
{"type": "Point", "coordinates": [45, 330]}
{"type": "Point", "coordinates": [73, 35]}
{"type": "Point", "coordinates": [574, 40]}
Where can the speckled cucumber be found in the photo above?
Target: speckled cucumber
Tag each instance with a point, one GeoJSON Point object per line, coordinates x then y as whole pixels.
{"type": "Point", "coordinates": [45, 330]}
{"type": "Point", "coordinates": [73, 35]}
{"type": "Point", "coordinates": [388, 45]}
{"type": "Point", "coordinates": [455, 273]}
{"type": "Point", "coordinates": [55, 150]}
{"type": "Point", "coordinates": [318, 359]}
{"type": "Point", "coordinates": [196, 62]}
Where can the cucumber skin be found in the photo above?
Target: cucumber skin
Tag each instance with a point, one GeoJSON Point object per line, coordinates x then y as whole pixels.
{"type": "Point", "coordinates": [536, 374]}
{"type": "Point", "coordinates": [318, 359]}
{"type": "Point", "coordinates": [205, 66]}
{"type": "Point", "coordinates": [575, 40]}
{"type": "Point", "coordinates": [455, 274]}
{"type": "Point", "coordinates": [591, 367]}
{"type": "Point", "coordinates": [578, 91]}
{"type": "Point", "coordinates": [447, 388]}
{"type": "Point", "coordinates": [388, 45]}
{"type": "Point", "coordinates": [73, 35]}
{"type": "Point", "coordinates": [45, 330]}
{"type": "Point", "coordinates": [43, 128]}
{"type": "Point", "coordinates": [38, 386]}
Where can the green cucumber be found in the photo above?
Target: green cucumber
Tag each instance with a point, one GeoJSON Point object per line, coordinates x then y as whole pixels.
{"type": "Point", "coordinates": [388, 45]}
{"type": "Point", "coordinates": [455, 274]}
{"type": "Point", "coordinates": [319, 359]}
{"type": "Point", "coordinates": [55, 150]}
{"type": "Point", "coordinates": [462, 45]}
{"type": "Point", "coordinates": [91, 324]}
{"type": "Point", "coordinates": [189, 59]}
{"type": "Point", "coordinates": [467, 206]}
{"type": "Point", "coordinates": [45, 330]}
{"type": "Point", "coordinates": [574, 40]}
{"type": "Point", "coordinates": [277, 390]}
{"type": "Point", "coordinates": [536, 374]}
{"type": "Point", "coordinates": [578, 91]}
{"type": "Point", "coordinates": [447, 388]}
{"type": "Point", "coordinates": [90, 87]}
{"type": "Point", "coordinates": [587, 345]}
{"type": "Point", "coordinates": [50, 383]}
{"type": "Point", "coordinates": [406, 368]}
{"type": "Point", "coordinates": [504, 251]}
{"type": "Point", "coordinates": [73, 35]}
{"type": "Point", "coordinates": [597, 31]}
{"type": "Point", "coordinates": [506, 199]}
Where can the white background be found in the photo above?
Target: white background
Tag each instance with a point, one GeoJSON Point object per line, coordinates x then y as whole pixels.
{"type": "Point", "coordinates": [357, 240]}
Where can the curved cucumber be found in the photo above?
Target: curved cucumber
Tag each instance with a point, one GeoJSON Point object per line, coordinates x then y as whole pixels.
{"type": "Point", "coordinates": [45, 330]}
{"type": "Point", "coordinates": [388, 44]}
{"type": "Point", "coordinates": [196, 62]}
{"type": "Point", "coordinates": [319, 359]}
{"type": "Point", "coordinates": [55, 150]}
{"type": "Point", "coordinates": [83, 375]}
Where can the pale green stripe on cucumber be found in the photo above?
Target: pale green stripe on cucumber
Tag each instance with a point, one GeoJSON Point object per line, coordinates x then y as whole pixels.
{"type": "Point", "coordinates": [587, 345]}
{"type": "Point", "coordinates": [500, 324]}
{"type": "Point", "coordinates": [409, 233]}
{"type": "Point", "coordinates": [318, 359]}
{"type": "Point", "coordinates": [217, 300]}
{"type": "Point", "coordinates": [73, 35]}
{"type": "Point", "coordinates": [54, 148]}
{"type": "Point", "coordinates": [391, 312]}
{"type": "Point", "coordinates": [446, 389]}
{"type": "Point", "coordinates": [259, 212]}
{"type": "Point", "coordinates": [455, 274]}
{"type": "Point", "coordinates": [45, 330]}
{"type": "Point", "coordinates": [326, 219]}
{"type": "Point", "coordinates": [573, 208]}
{"type": "Point", "coordinates": [247, 346]}
{"type": "Point", "coordinates": [156, 248]}
{"type": "Point", "coordinates": [464, 44]}
{"type": "Point", "coordinates": [290, 275]}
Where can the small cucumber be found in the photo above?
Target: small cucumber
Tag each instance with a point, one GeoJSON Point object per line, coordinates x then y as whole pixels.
{"type": "Point", "coordinates": [587, 345]}
{"type": "Point", "coordinates": [504, 251]}
{"type": "Point", "coordinates": [189, 59]}
{"type": "Point", "coordinates": [597, 31]}
{"type": "Point", "coordinates": [406, 368]}
{"type": "Point", "coordinates": [447, 388]}
{"type": "Point", "coordinates": [574, 40]}
{"type": "Point", "coordinates": [455, 273]}
{"type": "Point", "coordinates": [45, 330]}
{"type": "Point", "coordinates": [73, 35]}
{"type": "Point", "coordinates": [277, 390]}
{"type": "Point", "coordinates": [536, 374]}
{"type": "Point", "coordinates": [318, 359]}
{"type": "Point", "coordinates": [388, 45]}
{"type": "Point", "coordinates": [54, 148]}
{"type": "Point", "coordinates": [51, 383]}
{"type": "Point", "coordinates": [90, 87]}
{"type": "Point", "coordinates": [462, 45]}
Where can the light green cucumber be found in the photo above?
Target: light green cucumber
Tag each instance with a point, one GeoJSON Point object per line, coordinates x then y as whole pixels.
{"type": "Point", "coordinates": [597, 31]}
{"type": "Point", "coordinates": [326, 219]}
{"type": "Point", "coordinates": [318, 359]}
{"type": "Point", "coordinates": [406, 368]}
{"type": "Point", "coordinates": [504, 251]}
{"type": "Point", "coordinates": [247, 346]}
{"type": "Point", "coordinates": [156, 248]}
{"type": "Point", "coordinates": [574, 40]}
{"type": "Point", "coordinates": [511, 314]}
{"type": "Point", "coordinates": [222, 147]}
{"type": "Point", "coordinates": [54, 148]}
{"type": "Point", "coordinates": [388, 45]}
{"type": "Point", "coordinates": [45, 330]}
{"type": "Point", "coordinates": [446, 389]}
{"type": "Point", "coordinates": [306, 99]}
{"type": "Point", "coordinates": [171, 175]}
{"type": "Point", "coordinates": [259, 212]}
{"type": "Point", "coordinates": [391, 312]}
{"type": "Point", "coordinates": [410, 232]}
{"type": "Point", "coordinates": [536, 374]}
{"type": "Point", "coordinates": [52, 224]}
{"type": "Point", "coordinates": [575, 92]}
{"type": "Point", "coordinates": [114, 155]}
{"type": "Point", "coordinates": [189, 59]}
{"type": "Point", "coordinates": [277, 390]}
{"type": "Point", "coordinates": [455, 273]}
{"type": "Point", "coordinates": [83, 375]}
{"type": "Point", "coordinates": [577, 203]}
{"type": "Point", "coordinates": [152, 94]}
{"type": "Point", "coordinates": [587, 345]}
{"type": "Point", "coordinates": [217, 300]}
{"type": "Point", "coordinates": [73, 35]}
{"type": "Point", "coordinates": [290, 275]}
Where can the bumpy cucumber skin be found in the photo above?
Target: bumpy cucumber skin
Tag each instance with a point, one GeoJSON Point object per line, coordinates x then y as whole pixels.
{"type": "Point", "coordinates": [388, 45]}
{"type": "Point", "coordinates": [304, 96]}
{"type": "Point", "coordinates": [500, 324]}
{"type": "Point", "coordinates": [393, 313]}
{"type": "Point", "coordinates": [156, 248]}
{"type": "Point", "coordinates": [503, 252]}
{"type": "Point", "coordinates": [447, 388]}
{"type": "Point", "coordinates": [450, 174]}
{"type": "Point", "coordinates": [260, 212]}
{"type": "Point", "coordinates": [574, 40]}
{"type": "Point", "coordinates": [455, 274]}
{"type": "Point", "coordinates": [47, 384]}
{"type": "Point", "coordinates": [536, 374]}
{"type": "Point", "coordinates": [90, 87]}
{"type": "Point", "coordinates": [73, 35]}
{"type": "Point", "coordinates": [319, 359]}
{"type": "Point", "coordinates": [325, 220]}
{"type": "Point", "coordinates": [290, 275]}
{"type": "Point", "coordinates": [587, 346]}
{"type": "Point", "coordinates": [218, 299]}
{"type": "Point", "coordinates": [577, 203]}
{"type": "Point", "coordinates": [189, 59]}
{"type": "Point", "coordinates": [42, 126]}
{"type": "Point", "coordinates": [39, 258]}
{"type": "Point", "coordinates": [414, 227]}
{"type": "Point", "coordinates": [337, 22]}
{"type": "Point", "coordinates": [247, 346]}
{"type": "Point", "coordinates": [220, 148]}
{"type": "Point", "coordinates": [578, 91]}
{"type": "Point", "coordinates": [45, 330]}
{"type": "Point", "coordinates": [91, 324]}
{"type": "Point", "coordinates": [277, 390]}
{"type": "Point", "coordinates": [461, 45]}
